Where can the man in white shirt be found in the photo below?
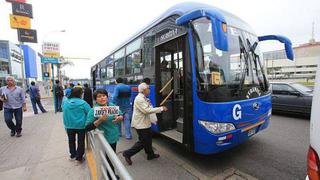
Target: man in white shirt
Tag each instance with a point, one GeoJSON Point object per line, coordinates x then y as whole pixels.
{"type": "Point", "coordinates": [141, 121]}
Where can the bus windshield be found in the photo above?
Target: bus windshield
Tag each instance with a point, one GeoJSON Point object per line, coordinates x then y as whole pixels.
{"type": "Point", "coordinates": [230, 75]}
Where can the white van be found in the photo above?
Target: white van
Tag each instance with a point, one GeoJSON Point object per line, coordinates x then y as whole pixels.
{"type": "Point", "coordinates": [314, 149]}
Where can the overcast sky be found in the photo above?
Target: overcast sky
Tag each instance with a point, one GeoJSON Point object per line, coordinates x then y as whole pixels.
{"type": "Point", "coordinates": [96, 27]}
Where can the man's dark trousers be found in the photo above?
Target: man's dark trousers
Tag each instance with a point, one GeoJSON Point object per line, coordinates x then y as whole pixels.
{"type": "Point", "coordinates": [34, 105]}
{"type": "Point", "coordinates": [145, 141]}
{"type": "Point", "coordinates": [8, 116]}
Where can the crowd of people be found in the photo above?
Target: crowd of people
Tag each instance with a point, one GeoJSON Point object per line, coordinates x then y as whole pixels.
{"type": "Point", "coordinates": [79, 117]}
{"type": "Point", "coordinates": [77, 105]}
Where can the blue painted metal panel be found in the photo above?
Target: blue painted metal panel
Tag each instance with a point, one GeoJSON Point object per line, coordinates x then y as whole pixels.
{"type": "Point", "coordinates": [30, 63]}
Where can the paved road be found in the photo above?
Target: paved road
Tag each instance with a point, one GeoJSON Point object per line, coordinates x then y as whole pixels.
{"type": "Point", "coordinates": [279, 152]}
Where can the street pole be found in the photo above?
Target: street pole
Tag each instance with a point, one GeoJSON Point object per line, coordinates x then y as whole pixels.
{"type": "Point", "coordinates": [22, 65]}
{"type": "Point", "coordinates": [53, 89]}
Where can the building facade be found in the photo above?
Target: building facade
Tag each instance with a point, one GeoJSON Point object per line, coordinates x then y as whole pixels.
{"type": "Point", "coordinates": [10, 60]}
{"type": "Point", "coordinates": [302, 69]}
{"type": "Point", "coordinates": [30, 62]}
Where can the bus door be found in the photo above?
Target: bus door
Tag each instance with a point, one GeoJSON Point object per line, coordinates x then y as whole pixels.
{"type": "Point", "coordinates": [170, 87]}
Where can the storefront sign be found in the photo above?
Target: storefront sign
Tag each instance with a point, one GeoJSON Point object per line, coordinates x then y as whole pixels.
{"type": "Point", "coordinates": [51, 49]}
{"type": "Point", "coordinates": [19, 22]}
{"type": "Point", "coordinates": [45, 60]}
{"type": "Point", "coordinates": [27, 35]}
{"type": "Point", "coordinates": [20, 1]}
{"type": "Point", "coordinates": [22, 9]}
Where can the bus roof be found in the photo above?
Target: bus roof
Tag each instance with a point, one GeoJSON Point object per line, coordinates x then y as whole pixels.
{"type": "Point", "coordinates": [183, 8]}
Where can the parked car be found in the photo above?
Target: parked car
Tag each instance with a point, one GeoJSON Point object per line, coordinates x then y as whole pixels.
{"type": "Point", "coordinates": [314, 148]}
{"type": "Point", "coordinates": [291, 97]}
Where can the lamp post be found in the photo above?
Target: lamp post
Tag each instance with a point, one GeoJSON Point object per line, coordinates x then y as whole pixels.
{"type": "Point", "coordinates": [52, 69]}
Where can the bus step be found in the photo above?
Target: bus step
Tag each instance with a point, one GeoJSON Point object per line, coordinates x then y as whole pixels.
{"type": "Point", "coordinates": [173, 134]}
{"type": "Point", "coordinates": [180, 125]}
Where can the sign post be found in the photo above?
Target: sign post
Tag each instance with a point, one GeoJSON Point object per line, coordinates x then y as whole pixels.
{"type": "Point", "coordinates": [20, 20]}
{"type": "Point", "coordinates": [51, 53]}
{"type": "Point", "coordinates": [54, 90]}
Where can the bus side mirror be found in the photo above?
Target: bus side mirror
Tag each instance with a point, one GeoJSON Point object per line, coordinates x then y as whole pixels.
{"type": "Point", "coordinates": [219, 34]}
{"type": "Point", "coordinates": [218, 25]}
{"type": "Point", "coordinates": [282, 39]}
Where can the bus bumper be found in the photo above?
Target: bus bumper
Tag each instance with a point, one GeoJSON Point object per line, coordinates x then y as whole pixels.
{"type": "Point", "coordinates": [208, 143]}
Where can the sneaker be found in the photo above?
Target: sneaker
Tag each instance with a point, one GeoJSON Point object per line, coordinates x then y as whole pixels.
{"type": "Point", "coordinates": [155, 156]}
{"type": "Point", "coordinates": [13, 133]}
{"type": "Point", "coordinates": [127, 158]}
{"type": "Point", "coordinates": [18, 134]}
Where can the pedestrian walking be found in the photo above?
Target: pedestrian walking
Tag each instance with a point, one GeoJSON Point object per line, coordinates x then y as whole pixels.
{"type": "Point", "coordinates": [87, 95]}
{"type": "Point", "coordinates": [14, 103]}
{"type": "Point", "coordinates": [75, 111]}
{"type": "Point", "coordinates": [143, 116]}
{"type": "Point", "coordinates": [121, 98]}
{"type": "Point", "coordinates": [59, 96]}
{"type": "Point", "coordinates": [106, 123]}
{"type": "Point", "coordinates": [35, 98]}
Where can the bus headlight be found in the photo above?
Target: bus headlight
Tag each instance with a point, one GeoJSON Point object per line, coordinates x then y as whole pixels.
{"type": "Point", "coordinates": [270, 112]}
{"type": "Point", "coordinates": [217, 128]}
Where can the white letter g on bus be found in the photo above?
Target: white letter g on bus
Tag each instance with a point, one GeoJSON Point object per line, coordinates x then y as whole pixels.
{"type": "Point", "coordinates": [236, 112]}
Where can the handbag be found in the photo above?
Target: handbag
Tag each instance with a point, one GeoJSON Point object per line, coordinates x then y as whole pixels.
{"type": "Point", "coordinates": [153, 118]}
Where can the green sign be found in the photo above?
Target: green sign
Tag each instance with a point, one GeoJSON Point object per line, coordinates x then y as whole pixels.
{"type": "Point", "coordinates": [45, 60]}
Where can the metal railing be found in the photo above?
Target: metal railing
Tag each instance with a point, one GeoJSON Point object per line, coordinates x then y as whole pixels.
{"type": "Point", "coordinates": [97, 143]}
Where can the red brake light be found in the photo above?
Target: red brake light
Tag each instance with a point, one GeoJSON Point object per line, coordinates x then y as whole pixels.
{"type": "Point", "coordinates": [313, 165]}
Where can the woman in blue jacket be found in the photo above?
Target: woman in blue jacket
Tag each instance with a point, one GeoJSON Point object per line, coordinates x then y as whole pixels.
{"type": "Point", "coordinates": [75, 112]}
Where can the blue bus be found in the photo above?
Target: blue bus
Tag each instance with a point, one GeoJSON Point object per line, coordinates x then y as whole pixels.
{"type": "Point", "coordinates": [205, 66]}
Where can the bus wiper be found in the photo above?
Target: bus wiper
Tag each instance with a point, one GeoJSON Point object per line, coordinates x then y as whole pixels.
{"type": "Point", "coordinates": [257, 62]}
{"type": "Point", "coordinates": [246, 65]}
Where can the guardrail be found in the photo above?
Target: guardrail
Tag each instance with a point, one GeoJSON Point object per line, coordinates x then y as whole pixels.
{"type": "Point", "coordinates": [100, 148]}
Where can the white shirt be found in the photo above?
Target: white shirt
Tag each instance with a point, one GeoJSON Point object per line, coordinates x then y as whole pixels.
{"type": "Point", "coordinates": [141, 112]}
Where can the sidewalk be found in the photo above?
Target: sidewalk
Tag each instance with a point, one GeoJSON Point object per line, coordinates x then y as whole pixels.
{"type": "Point", "coordinates": [157, 169]}
{"type": "Point", "coordinates": [41, 152]}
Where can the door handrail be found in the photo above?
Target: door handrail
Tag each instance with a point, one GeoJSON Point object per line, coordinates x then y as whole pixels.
{"type": "Point", "coordinates": [166, 98]}
{"type": "Point", "coordinates": [165, 86]}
